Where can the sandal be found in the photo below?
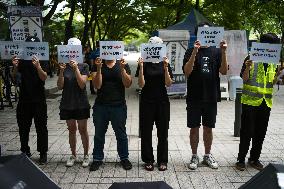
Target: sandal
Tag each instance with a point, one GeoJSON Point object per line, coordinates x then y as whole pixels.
{"type": "Point", "coordinates": [149, 166]}
{"type": "Point", "coordinates": [162, 167]}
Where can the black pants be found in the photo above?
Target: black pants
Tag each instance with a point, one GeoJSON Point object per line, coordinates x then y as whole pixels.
{"type": "Point", "coordinates": [160, 114]}
{"type": "Point", "coordinates": [25, 113]}
{"type": "Point", "coordinates": [254, 124]}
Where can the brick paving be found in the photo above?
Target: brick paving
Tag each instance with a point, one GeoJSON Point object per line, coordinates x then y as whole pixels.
{"type": "Point", "coordinates": [225, 147]}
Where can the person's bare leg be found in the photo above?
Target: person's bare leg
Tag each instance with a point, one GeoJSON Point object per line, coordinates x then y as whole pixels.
{"type": "Point", "coordinates": [83, 130]}
{"type": "Point", "coordinates": [72, 135]}
{"type": "Point", "coordinates": [194, 139]}
{"type": "Point", "coordinates": [207, 138]}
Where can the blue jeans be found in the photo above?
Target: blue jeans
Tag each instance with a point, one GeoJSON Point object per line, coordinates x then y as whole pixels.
{"type": "Point", "coordinates": [117, 115]}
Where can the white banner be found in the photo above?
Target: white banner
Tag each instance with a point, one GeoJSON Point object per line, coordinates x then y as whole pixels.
{"type": "Point", "coordinates": [111, 50]}
{"type": "Point", "coordinates": [236, 50]}
{"type": "Point", "coordinates": [210, 36]}
{"type": "Point", "coordinates": [24, 50]}
{"type": "Point", "coordinates": [265, 52]}
{"type": "Point", "coordinates": [153, 52]}
{"type": "Point", "coordinates": [65, 53]}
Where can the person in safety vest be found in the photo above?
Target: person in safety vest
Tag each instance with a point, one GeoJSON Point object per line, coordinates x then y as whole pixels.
{"type": "Point", "coordinates": [258, 81]}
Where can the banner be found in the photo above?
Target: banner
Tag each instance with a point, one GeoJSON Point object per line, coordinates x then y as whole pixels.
{"type": "Point", "coordinates": [65, 53]}
{"type": "Point", "coordinates": [111, 50]}
{"type": "Point", "coordinates": [210, 36]}
{"type": "Point", "coordinates": [24, 50]}
{"type": "Point", "coordinates": [24, 22]}
{"type": "Point", "coordinates": [236, 50]}
{"type": "Point", "coordinates": [153, 52]}
{"type": "Point", "coordinates": [265, 52]}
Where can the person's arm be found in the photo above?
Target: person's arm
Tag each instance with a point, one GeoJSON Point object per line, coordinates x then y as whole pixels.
{"type": "Point", "coordinates": [245, 74]}
{"type": "Point", "coordinates": [60, 80]}
{"type": "Point", "coordinates": [97, 75]}
{"type": "Point", "coordinates": [224, 64]}
{"type": "Point", "coordinates": [279, 71]}
{"type": "Point", "coordinates": [141, 80]}
{"type": "Point", "coordinates": [168, 79]}
{"type": "Point", "coordinates": [15, 62]}
{"type": "Point", "coordinates": [41, 73]}
{"type": "Point", "coordinates": [188, 67]}
{"type": "Point", "coordinates": [81, 79]}
{"type": "Point", "coordinates": [126, 79]}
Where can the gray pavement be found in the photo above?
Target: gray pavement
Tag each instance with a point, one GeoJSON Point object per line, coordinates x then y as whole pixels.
{"type": "Point", "coordinates": [225, 147]}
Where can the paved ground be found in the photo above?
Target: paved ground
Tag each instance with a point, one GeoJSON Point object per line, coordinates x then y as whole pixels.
{"type": "Point", "coordinates": [224, 148]}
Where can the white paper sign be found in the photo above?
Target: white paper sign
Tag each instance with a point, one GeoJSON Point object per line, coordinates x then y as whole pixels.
{"type": "Point", "coordinates": [265, 52]}
{"type": "Point", "coordinates": [24, 50]}
{"type": "Point", "coordinates": [210, 36]}
{"type": "Point", "coordinates": [111, 50]}
{"type": "Point", "coordinates": [38, 49]}
{"type": "Point", "coordinates": [153, 52]}
{"type": "Point", "coordinates": [70, 52]}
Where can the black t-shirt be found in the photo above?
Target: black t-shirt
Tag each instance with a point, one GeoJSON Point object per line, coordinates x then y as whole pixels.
{"type": "Point", "coordinates": [73, 97]}
{"type": "Point", "coordinates": [203, 84]}
{"type": "Point", "coordinates": [154, 89]}
{"type": "Point", "coordinates": [112, 91]}
{"type": "Point", "coordinates": [31, 86]}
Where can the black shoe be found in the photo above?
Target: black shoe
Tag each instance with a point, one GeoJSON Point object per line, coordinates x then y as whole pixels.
{"type": "Point", "coordinates": [95, 165]}
{"type": "Point", "coordinates": [42, 158]}
{"type": "Point", "coordinates": [240, 165]}
{"type": "Point", "coordinates": [126, 164]}
{"type": "Point", "coordinates": [256, 164]}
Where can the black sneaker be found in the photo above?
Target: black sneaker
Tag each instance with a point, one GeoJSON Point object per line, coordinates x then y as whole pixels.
{"type": "Point", "coordinates": [126, 164]}
{"type": "Point", "coordinates": [95, 165]}
{"type": "Point", "coordinates": [42, 158]}
{"type": "Point", "coordinates": [256, 164]}
{"type": "Point", "coordinates": [240, 165]}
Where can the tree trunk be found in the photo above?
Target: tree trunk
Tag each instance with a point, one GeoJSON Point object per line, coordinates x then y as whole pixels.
{"type": "Point", "coordinates": [51, 12]}
{"type": "Point", "coordinates": [68, 26]}
{"type": "Point", "coordinates": [85, 9]}
{"type": "Point", "coordinates": [197, 4]}
{"type": "Point", "coordinates": [179, 11]}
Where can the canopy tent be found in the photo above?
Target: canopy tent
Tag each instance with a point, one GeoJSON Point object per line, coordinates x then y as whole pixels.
{"type": "Point", "coordinates": [190, 21]}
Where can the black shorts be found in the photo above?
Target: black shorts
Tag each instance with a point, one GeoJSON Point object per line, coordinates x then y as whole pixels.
{"type": "Point", "coordinates": [74, 114]}
{"type": "Point", "coordinates": [208, 112]}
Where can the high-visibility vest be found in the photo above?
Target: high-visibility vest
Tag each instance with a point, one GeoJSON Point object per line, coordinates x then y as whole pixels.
{"type": "Point", "coordinates": [259, 86]}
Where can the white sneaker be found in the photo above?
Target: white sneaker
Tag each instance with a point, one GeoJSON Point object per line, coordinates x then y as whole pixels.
{"type": "Point", "coordinates": [194, 162]}
{"type": "Point", "coordinates": [70, 162]}
{"type": "Point", "coordinates": [210, 161]}
{"type": "Point", "coordinates": [86, 161]}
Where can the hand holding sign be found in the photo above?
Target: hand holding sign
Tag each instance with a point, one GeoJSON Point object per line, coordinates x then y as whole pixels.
{"type": "Point", "coordinates": [98, 63]}
{"type": "Point", "coordinates": [248, 64]}
{"type": "Point", "coordinates": [122, 64]}
{"type": "Point", "coordinates": [140, 62]}
{"type": "Point", "coordinates": [35, 62]}
{"type": "Point", "coordinates": [197, 45]}
{"type": "Point", "coordinates": [73, 64]}
{"type": "Point", "coordinates": [165, 62]}
{"type": "Point", "coordinates": [223, 45]}
{"type": "Point", "coordinates": [62, 66]}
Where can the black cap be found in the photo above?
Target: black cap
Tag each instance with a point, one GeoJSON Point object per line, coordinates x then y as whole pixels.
{"type": "Point", "coordinates": [269, 38]}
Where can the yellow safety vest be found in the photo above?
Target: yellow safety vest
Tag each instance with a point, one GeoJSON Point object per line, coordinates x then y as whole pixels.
{"type": "Point", "coordinates": [259, 86]}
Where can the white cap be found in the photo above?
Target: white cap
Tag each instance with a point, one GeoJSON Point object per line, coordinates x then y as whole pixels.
{"type": "Point", "coordinates": [155, 40]}
{"type": "Point", "coordinates": [74, 41]}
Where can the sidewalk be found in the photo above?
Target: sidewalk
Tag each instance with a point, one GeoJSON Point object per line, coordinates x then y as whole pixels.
{"type": "Point", "coordinates": [225, 148]}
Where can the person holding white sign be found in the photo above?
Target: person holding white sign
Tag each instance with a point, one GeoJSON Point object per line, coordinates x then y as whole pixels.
{"type": "Point", "coordinates": [202, 65]}
{"type": "Point", "coordinates": [110, 79]}
{"type": "Point", "coordinates": [257, 97]}
{"type": "Point", "coordinates": [153, 78]}
{"type": "Point", "coordinates": [32, 104]}
{"type": "Point", "coordinates": [74, 104]}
